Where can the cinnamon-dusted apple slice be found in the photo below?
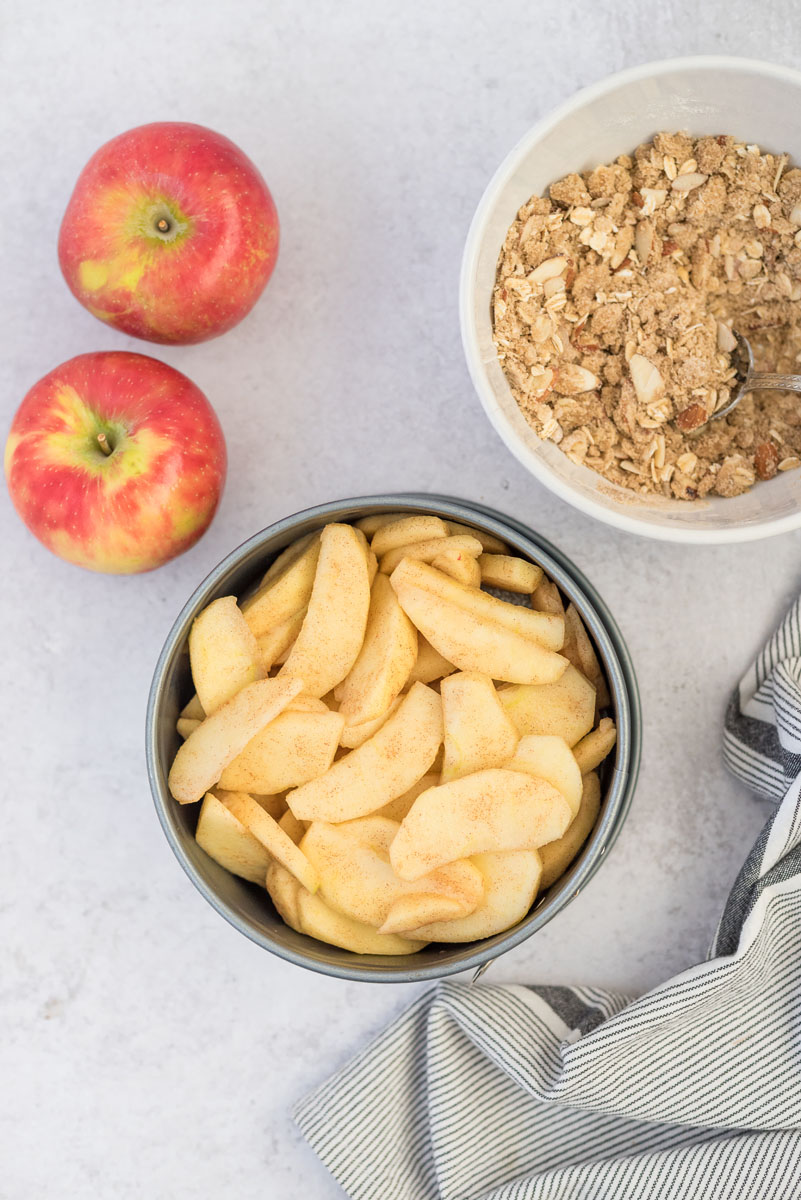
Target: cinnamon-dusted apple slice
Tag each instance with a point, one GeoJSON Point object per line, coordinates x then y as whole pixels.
{"type": "Point", "coordinates": [429, 550]}
{"type": "Point", "coordinates": [193, 710]}
{"type": "Point", "coordinates": [185, 726]}
{"type": "Point", "coordinates": [274, 805]}
{"type": "Point", "coordinates": [353, 736]}
{"type": "Point", "coordinates": [283, 561]}
{"type": "Point", "coordinates": [416, 528]}
{"type": "Point", "coordinates": [206, 753]}
{"type": "Point", "coordinates": [276, 842]}
{"type": "Point", "coordinates": [463, 568]}
{"type": "Point", "coordinates": [509, 572]}
{"type": "Point", "coordinates": [385, 660]}
{"type": "Point", "coordinates": [369, 526]}
{"type": "Point", "coordinates": [581, 652]}
{"type": "Point", "coordinates": [309, 914]}
{"type": "Point", "coordinates": [489, 541]}
{"type": "Point", "coordinates": [484, 812]}
{"type": "Point", "coordinates": [478, 733]}
{"type": "Point", "coordinates": [333, 629]}
{"type": "Point", "coordinates": [285, 590]}
{"type": "Point", "coordinates": [292, 827]}
{"type": "Point", "coordinates": [429, 664]}
{"type": "Point", "coordinates": [275, 643]}
{"type": "Point", "coordinates": [292, 749]}
{"type": "Point", "coordinates": [548, 757]}
{"type": "Point", "coordinates": [546, 597]}
{"type": "Point", "coordinates": [511, 880]}
{"type": "Point", "coordinates": [229, 842]}
{"type": "Point", "coordinates": [223, 653]}
{"type": "Point", "coordinates": [464, 630]}
{"type": "Point", "coordinates": [558, 855]}
{"type": "Point", "coordinates": [383, 767]}
{"type": "Point", "coordinates": [565, 707]}
{"type": "Point", "coordinates": [593, 749]}
{"type": "Point", "coordinates": [419, 908]}
{"type": "Point", "coordinates": [397, 809]}
{"type": "Point", "coordinates": [546, 629]}
{"type": "Point", "coordinates": [356, 878]}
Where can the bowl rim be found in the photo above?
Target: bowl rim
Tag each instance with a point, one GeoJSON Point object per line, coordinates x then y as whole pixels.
{"type": "Point", "coordinates": [623, 683]}
{"type": "Point", "coordinates": [618, 519]}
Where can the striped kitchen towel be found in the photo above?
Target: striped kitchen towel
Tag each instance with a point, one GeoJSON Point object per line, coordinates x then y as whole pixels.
{"type": "Point", "coordinates": [691, 1092]}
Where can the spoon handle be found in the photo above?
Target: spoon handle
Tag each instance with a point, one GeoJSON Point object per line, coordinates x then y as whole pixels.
{"type": "Point", "coordinates": [759, 381]}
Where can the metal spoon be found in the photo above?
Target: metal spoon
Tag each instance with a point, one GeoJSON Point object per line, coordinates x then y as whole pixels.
{"type": "Point", "coordinates": [750, 380]}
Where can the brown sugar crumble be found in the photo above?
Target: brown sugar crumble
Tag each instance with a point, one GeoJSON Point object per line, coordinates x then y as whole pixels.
{"type": "Point", "coordinates": [614, 306]}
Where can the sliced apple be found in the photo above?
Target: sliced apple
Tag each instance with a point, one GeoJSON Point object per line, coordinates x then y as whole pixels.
{"type": "Point", "coordinates": [274, 805]}
{"type": "Point", "coordinates": [548, 757]}
{"type": "Point", "coordinates": [215, 743]}
{"type": "Point", "coordinates": [275, 643]}
{"type": "Point", "coordinates": [487, 811]}
{"type": "Point", "coordinates": [292, 827]}
{"type": "Point", "coordinates": [429, 664]}
{"type": "Point", "coordinates": [285, 591]}
{"type": "Point", "coordinates": [565, 708]}
{"type": "Point", "coordinates": [353, 736]}
{"type": "Point", "coordinates": [383, 767]}
{"type": "Point", "coordinates": [547, 598]}
{"type": "Point", "coordinates": [593, 749]}
{"type": "Point", "coordinates": [287, 557]}
{"type": "Point", "coordinates": [309, 914]}
{"type": "Point", "coordinates": [369, 526]}
{"type": "Point", "coordinates": [292, 749]}
{"type": "Point", "coordinates": [419, 908]}
{"type": "Point", "coordinates": [385, 660]}
{"type": "Point", "coordinates": [472, 640]}
{"type": "Point", "coordinates": [333, 629]}
{"type": "Point", "coordinates": [185, 726]}
{"type": "Point", "coordinates": [193, 710]}
{"type": "Point", "coordinates": [509, 572]}
{"type": "Point", "coordinates": [488, 541]}
{"type": "Point", "coordinates": [478, 733]}
{"type": "Point", "coordinates": [546, 629]}
{"type": "Point", "coordinates": [372, 567]}
{"type": "Point", "coordinates": [582, 654]}
{"type": "Point", "coordinates": [558, 855]}
{"type": "Point", "coordinates": [397, 809]}
{"type": "Point", "coordinates": [276, 842]}
{"type": "Point", "coordinates": [463, 568]}
{"type": "Point", "coordinates": [416, 528]}
{"type": "Point", "coordinates": [229, 842]}
{"type": "Point", "coordinates": [223, 653]}
{"type": "Point", "coordinates": [429, 550]}
{"type": "Point", "coordinates": [356, 878]}
{"type": "Point", "coordinates": [511, 881]}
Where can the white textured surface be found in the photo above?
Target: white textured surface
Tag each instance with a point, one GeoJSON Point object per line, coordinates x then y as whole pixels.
{"type": "Point", "coordinates": [146, 1048]}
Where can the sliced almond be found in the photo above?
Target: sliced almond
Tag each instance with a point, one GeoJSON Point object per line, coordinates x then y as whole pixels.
{"type": "Point", "coordinates": [688, 182]}
{"type": "Point", "coordinates": [571, 379]}
{"type": "Point", "coordinates": [652, 198]}
{"type": "Point", "coordinates": [548, 269]}
{"type": "Point", "coordinates": [643, 241]}
{"type": "Point", "coordinates": [726, 339]}
{"type": "Point", "coordinates": [648, 383]}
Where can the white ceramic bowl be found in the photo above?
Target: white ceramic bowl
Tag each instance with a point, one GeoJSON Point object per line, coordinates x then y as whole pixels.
{"type": "Point", "coordinates": [754, 101]}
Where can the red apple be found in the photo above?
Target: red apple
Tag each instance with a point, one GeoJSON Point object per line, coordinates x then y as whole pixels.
{"type": "Point", "coordinates": [116, 462]}
{"type": "Point", "coordinates": [170, 233]}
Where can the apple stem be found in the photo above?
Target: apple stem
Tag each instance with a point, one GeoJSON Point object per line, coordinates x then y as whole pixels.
{"type": "Point", "coordinates": [103, 443]}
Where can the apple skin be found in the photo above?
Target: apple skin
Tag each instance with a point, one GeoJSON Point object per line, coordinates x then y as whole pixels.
{"type": "Point", "coordinates": [151, 498]}
{"type": "Point", "coordinates": [206, 270]}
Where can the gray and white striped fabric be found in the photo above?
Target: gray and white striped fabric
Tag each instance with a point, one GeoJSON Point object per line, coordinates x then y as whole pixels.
{"type": "Point", "coordinates": [532, 1093]}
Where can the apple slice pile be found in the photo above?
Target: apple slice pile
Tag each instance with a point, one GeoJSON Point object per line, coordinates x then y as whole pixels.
{"type": "Point", "coordinates": [397, 754]}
